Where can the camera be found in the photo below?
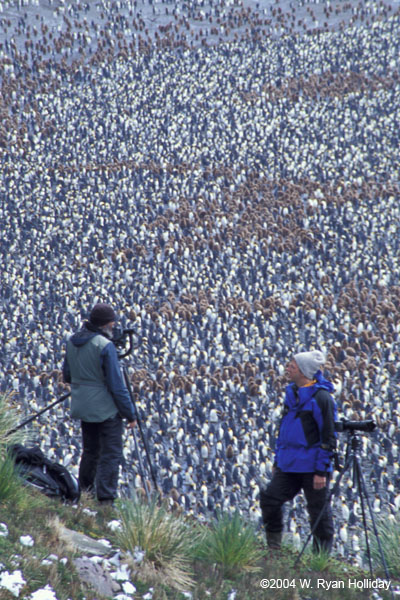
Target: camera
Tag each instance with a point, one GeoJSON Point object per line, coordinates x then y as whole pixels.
{"type": "Point", "coordinates": [119, 336]}
{"type": "Point", "coordinates": [345, 425]}
{"type": "Point", "coordinates": [123, 341]}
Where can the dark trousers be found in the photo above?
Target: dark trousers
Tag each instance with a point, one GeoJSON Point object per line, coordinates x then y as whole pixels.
{"type": "Point", "coordinates": [284, 487]}
{"type": "Point", "coordinates": [101, 457]}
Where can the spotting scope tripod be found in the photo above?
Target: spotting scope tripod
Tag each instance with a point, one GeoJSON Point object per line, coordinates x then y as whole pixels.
{"type": "Point", "coordinates": [352, 464]}
{"type": "Point", "coordinates": [124, 349]}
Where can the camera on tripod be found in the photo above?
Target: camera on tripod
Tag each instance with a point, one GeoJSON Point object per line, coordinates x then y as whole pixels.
{"type": "Point", "coordinates": [120, 336]}
{"type": "Point", "coordinates": [345, 425]}
{"type": "Point", "coordinates": [123, 341]}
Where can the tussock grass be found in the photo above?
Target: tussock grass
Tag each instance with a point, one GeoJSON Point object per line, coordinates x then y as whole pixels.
{"type": "Point", "coordinates": [318, 561]}
{"type": "Point", "coordinates": [166, 539]}
{"type": "Point", "coordinates": [231, 546]}
{"type": "Point", "coordinates": [389, 535]}
{"type": "Point", "coordinates": [11, 488]}
{"type": "Point", "coordinates": [9, 420]}
{"type": "Point", "coordinates": [11, 485]}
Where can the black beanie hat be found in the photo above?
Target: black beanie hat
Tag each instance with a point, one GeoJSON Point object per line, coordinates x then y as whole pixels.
{"type": "Point", "coordinates": [102, 314]}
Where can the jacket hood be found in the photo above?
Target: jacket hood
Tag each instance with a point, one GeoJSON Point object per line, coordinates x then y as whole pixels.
{"type": "Point", "coordinates": [323, 383]}
{"type": "Point", "coordinates": [296, 396]}
{"type": "Point", "coordinates": [88, 331]}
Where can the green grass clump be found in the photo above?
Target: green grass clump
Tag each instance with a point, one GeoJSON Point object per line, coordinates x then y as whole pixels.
{"type": "Point", "coordinates": [318, 561]}
{"type": "Point", "coordinates": [231, 546]}
{"type": "Point", "coordinates": [8, 422]}
{"type": "Point", "coordinates": [165, 538]}
{"type": "Point", "coordinates": [389, 535]}
{"type": "Point", "coordinates": [11, 486]}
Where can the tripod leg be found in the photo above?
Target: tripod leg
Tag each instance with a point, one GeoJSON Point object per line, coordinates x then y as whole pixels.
{"type": "Point", "coordinates": [327, 501]}
{"type": "Point", "coordinates": [128, 385]}
{"type": "Point", "coordinates": [141, 465]}
{"type": "Point", "coordinates": [33, 417]}
{"type": "Point", "coordinates": [363, 491]}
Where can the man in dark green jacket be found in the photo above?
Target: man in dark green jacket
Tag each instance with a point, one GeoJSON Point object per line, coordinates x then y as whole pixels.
{"type": "Point", "coordinates": [100, 399]}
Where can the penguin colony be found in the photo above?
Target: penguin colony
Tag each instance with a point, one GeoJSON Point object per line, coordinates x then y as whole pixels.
{"type": "Point", "coordinates": [226, 175]}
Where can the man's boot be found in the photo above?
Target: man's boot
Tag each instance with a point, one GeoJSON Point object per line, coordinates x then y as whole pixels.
{"type": "Point", "coordinates": [274, 539]}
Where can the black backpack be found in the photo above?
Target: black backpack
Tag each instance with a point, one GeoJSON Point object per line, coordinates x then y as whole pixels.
{"type": "Point", "coordinates": [49, 477]}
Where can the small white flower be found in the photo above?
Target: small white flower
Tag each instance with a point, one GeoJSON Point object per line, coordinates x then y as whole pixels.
{"type": "Point", "coordinates": [13, 582]}
{"type": "Point", "coordinates": [16, 561]}
{"type": "Point", "coordinates": [52, 557]}
{"type": "Point", "coordinates": [115, 525]}
{"type": "Point", "coordinates": [90, 513]}
{"type": "Point", "coordinates": [122, 574]}
{"type": "Point", "coordinates": [46, 593]}
{"type": "Point", "coordinates": [128, 588]}
{"type": "Point", "coordinates": [138, 555]}
{"type": "Point", "coordinates": [115, 560]}
{"type": "Point", "coordinates": [27, 540]}
{"type": "Point", "coordinates": [46, 562]}
{"type": "Point", "coordinates": [3, 530]}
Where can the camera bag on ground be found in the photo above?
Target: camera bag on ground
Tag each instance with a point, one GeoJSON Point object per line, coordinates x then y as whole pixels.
{"type": "Point", "coordinates": [49, 477]}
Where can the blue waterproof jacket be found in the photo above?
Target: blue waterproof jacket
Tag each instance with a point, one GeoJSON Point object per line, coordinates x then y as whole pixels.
{"type": "Point", "coordinates": [307, 437]}
{"type": "Point", "coordinates": [98, 391]}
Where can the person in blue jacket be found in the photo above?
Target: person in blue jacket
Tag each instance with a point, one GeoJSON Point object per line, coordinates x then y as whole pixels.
{"type": "Point", "coordinates": [304, 450]}
{"type": "Point", "coordinates": [100, 399]}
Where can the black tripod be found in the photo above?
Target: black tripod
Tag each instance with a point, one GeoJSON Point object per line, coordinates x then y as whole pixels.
{"type": "Point", "coordinates": [41, 412]}
{"type": "Point", "coordinates": [352, 462]}
{"type": "Point", "coordinates": [153, 476]}
{"type": "Point", "coordinates": [120, 342]}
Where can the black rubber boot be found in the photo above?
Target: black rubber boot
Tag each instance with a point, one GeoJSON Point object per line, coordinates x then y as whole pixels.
{"type": "Point", "coordinates": [274, 539]}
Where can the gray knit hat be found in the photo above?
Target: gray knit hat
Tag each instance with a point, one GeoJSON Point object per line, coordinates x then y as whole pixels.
{"type": "Point", "coordinates": [309, 362]}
